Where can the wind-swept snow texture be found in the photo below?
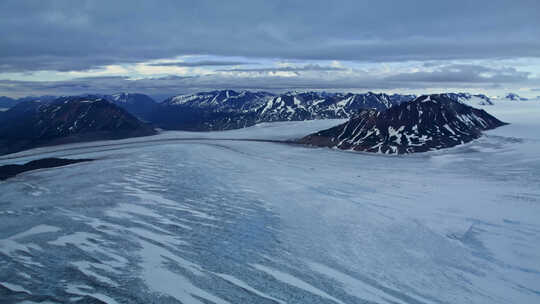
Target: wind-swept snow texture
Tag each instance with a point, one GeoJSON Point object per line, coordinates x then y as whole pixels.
{"type": "Point", "coordinates": [220, 221]}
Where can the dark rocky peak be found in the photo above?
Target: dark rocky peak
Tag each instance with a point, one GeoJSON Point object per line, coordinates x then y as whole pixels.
{"type": "Point", "coordinates": [66, 119]}
{"type": "Point", "coordinates": [429, 122]}
{"type": "Point", "coordinates": [515, 97]}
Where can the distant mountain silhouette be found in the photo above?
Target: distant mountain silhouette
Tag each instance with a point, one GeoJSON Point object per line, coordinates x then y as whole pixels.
{"type": "Point", "coordinates": [66, 119]}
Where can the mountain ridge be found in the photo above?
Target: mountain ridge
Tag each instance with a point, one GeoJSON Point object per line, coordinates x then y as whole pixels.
{"type": "Point", "coordinates": [430, 122]}
{"type": "Point", "coordinates": [226, 109]}
{"type": "Point", "coordinates": [65, 120]}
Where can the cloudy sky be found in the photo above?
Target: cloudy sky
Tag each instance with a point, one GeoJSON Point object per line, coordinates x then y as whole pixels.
{"type": "Point", "coordinates": [168, 47]}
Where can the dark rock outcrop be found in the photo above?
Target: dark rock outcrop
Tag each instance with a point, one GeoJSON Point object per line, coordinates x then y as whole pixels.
{"type": "Point", "coordinates": [66, 120]}
{"type": "Point", "coordinates": [7, 171]}
{"type": "Point", "coordinates": [515, 97]}
{"type": "Point", "coordinates": [429, 122]}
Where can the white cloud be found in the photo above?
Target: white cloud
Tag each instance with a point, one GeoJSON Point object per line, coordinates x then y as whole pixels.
{"type": "Point", "coordinates": [109, 70]}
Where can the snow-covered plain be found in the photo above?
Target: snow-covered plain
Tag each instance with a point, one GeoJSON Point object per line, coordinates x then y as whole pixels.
{"type": "Point", "coordinates": [161, 220]}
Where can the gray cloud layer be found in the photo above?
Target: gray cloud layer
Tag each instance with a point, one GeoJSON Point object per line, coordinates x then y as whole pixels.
{"type": "Point", "coordinates": [463, 73]}
{"type": "Point", "coordinates": [78, 35]}
{"type": "Point", "coordinates": [466, 77]}
{"type": "Point", "coordinates": [304, 68]}
{"type": "Point", "coordinates": [200, 63]}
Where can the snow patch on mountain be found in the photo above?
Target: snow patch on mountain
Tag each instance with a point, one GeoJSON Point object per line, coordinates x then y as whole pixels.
{"type": "Point", "coordinates": [429, 122]}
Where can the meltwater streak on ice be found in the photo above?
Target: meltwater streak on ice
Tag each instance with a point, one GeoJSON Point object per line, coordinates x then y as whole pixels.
{"type": "Point", "coordinates": [247, 222]}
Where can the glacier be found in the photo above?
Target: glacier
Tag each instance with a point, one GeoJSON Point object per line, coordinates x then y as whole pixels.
{"type": "Point", "coordinates": [187, 217]}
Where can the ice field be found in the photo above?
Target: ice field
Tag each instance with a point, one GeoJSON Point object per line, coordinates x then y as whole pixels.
{"type": "Point", "coordinates": [186, 217]}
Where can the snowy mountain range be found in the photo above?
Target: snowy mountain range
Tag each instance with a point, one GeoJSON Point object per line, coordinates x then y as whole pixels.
{"type": "Point", "coordinates": [226, 109]}
{"type": "Point", "coordinates": [430, 122]}
{"type": "Point", "coordinates": [229, 109]}
{"type": "Point", "coordinates": [33, 123]}
{"type": "Point", "coordinates": [313, 105]}
{"type": "Point", "coordinates": [223, 100]}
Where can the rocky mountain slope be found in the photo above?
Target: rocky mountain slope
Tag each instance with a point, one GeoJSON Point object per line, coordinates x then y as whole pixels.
{"type": "Point", "coordinates": [206, 111]}
{"type": "Point", "coordinates": [67, 119]}
{"type": "Point", "coordinates": [6, 102]}
{"type": "Point", "coordinates": [138, 105]}
{"type": "Point", "coordinates": [429, 122]}
{"type": "Point", "coordinates": [471, 99]}
{"type": "Point", "coordinates": [223, 100]}
{"type": "Point", "coordinates": [315, 105]}
{"type": "Point", "coordinates": [228, 109]}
